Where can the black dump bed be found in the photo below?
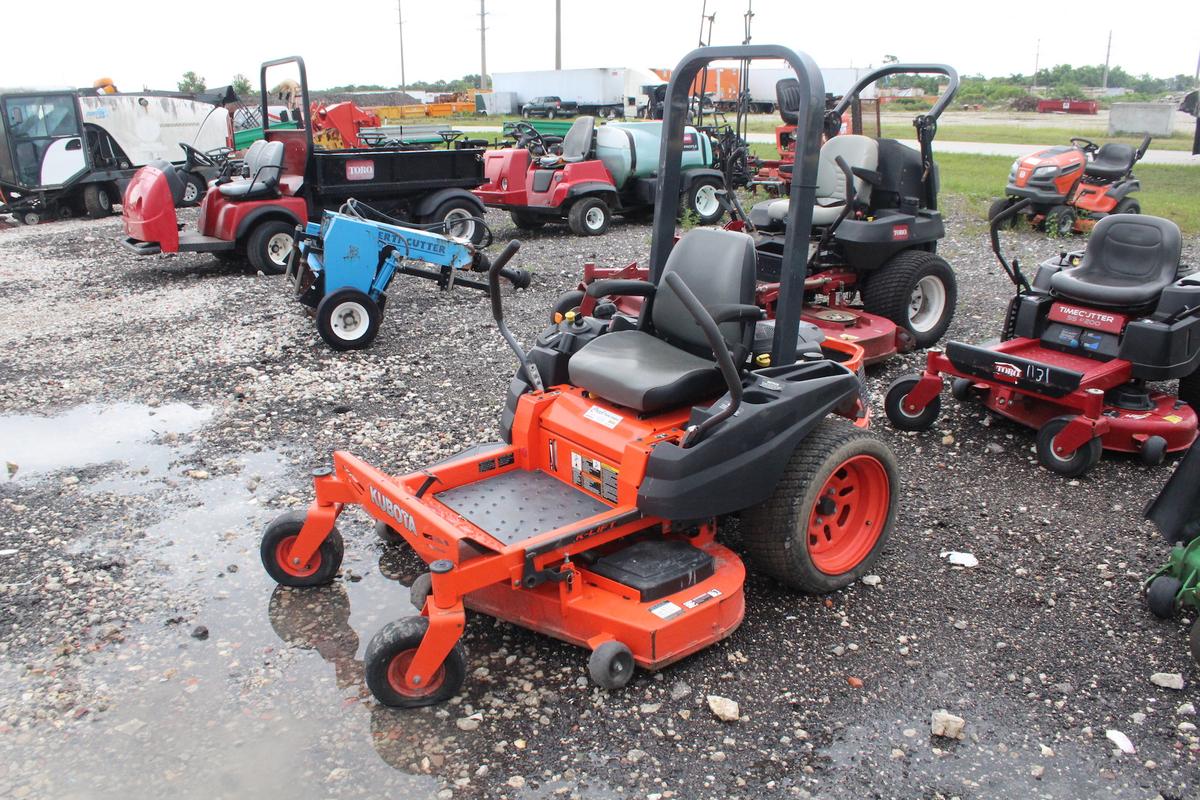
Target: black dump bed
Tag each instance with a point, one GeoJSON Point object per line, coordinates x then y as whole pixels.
{"type": "Point", "coordinates": [377, 172]}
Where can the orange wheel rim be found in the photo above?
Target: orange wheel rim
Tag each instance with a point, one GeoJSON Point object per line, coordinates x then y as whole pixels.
{"type": "Point", "coordinates": [398, 668]}
{"type": "Point", "coordinates": [849, 515]}
{"type": "Point", "coordinates": [283, 557]}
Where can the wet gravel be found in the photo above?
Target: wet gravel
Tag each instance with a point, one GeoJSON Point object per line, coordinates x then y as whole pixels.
{"type": "Point", "coordinates": [143, 650]}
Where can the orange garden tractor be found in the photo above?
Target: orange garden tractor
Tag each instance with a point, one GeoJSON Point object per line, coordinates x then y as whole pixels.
{"type": "Point", "coordinates": [628, 449]}
{"type": "Point", "coordinates": [1070, 188]}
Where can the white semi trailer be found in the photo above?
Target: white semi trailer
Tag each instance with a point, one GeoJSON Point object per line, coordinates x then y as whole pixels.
{"type": "Point", "coordinates": [599, 91]}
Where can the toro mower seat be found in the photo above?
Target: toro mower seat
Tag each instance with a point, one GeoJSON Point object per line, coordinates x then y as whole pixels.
{"type": "Point", "coordinates": [673, 366]}
{"type": "Point", "coordinates": [859, 152]}
{"type": "Point", "coordinates": [576, 145]}
{"type": "Point", "coordinates": [1112, 161]}
{"type": "Point", "coordinates": [1129, 260]}
{"type": "Point", "coordinates": [263, 165]}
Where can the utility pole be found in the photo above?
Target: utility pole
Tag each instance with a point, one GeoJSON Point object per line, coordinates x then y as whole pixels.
{"type": "Point", "coordinates": [400, 22]}
{"type": "Point", "coordinates": [1107, 53]}
{"type": "Point", "coordinates": [558, 34]}
{"type": "Point", "coordinates": [1037, 56]}
{"type": "Point", "coordinates": [483, 76]}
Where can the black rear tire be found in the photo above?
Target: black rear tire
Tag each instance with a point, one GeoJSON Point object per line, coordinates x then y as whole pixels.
{"type": "Point", "coordinates": [1128, 206]}
{"type": "Point", "coordinates": [1000, 205]}
{"type": "Point", "coordinates": [1079, 462]}
{"type": "Point", "coordinates": [1160, 596]}
{"type": "Point", "coordinates": [454, 213]}
{"type": "Point", "coordinates": [779, 533]}
{"type": "Point", "coordinates": [97, 202]}
{"type": "Point", "coordinates": [893, 406]}
{"type": "Point", "coordinates": [387, 652]}
{"type": "Point", "coordinates": [589, 216]}
{"type": "Point", "coordinates": [348, 319]}
{"type": "Point", "coordinates": [270, 245]}
{"type": "Point", "coordinates": [526, 221]}
{"type": "Point", "coordinates": [916, 290]}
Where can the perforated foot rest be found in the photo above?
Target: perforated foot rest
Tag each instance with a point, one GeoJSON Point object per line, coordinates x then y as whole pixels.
{"type": "Point", "coordinates": [655, 567]}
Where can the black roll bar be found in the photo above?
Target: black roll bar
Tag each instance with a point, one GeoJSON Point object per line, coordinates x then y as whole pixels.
{"type": "Point", "coordinates": [809, 114]}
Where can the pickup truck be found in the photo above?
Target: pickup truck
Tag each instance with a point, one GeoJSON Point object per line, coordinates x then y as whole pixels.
{"type": "Point", "coordinates": [549, 107]}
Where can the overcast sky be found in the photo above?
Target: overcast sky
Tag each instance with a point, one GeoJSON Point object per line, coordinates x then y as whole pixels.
{"type": "Point", "coordinates": [152, 42]}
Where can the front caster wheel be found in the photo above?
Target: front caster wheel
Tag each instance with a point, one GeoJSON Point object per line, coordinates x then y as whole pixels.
{"type": "Point", "coordinates": [903, 417]}
{"type": "Point", "coordinates": [420, 590]}
{"type": "Point", "coordinates": [386, 663]}
{"type": "Point", "coordinates": [276, 547]}
{"type": "Point", "coordinates": [1153, 451]}
{"type": "Point", "coordinates": [611, 665]}
{"type": "Point", "coordinates": [348, 319]}
{"type": "Point", "coordinates": [831, 514]}
{"type": "Point", "coordinates": [1068, 465]}
{"type": "Point", "coordinates": [962, 389]}
{"type": "Point", "coordinates": [1160, 596]}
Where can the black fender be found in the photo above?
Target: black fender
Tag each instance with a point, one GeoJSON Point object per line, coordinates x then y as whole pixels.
{"type": "Point", "coordinates": [429, 203]}
{"type": "Point", "coordinates": [597, 188]}
{"type": "Point", "coordinates": [258, 215]}
{"type": "Point", "coordinates": [690, 177]}
{"type": "Point", "coordinates": [740, 463]}
{"type": "Point", "coordinates": [1121, 190]}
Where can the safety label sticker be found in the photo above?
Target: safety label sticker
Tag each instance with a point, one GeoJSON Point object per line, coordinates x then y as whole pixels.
{"type": "Point", "coordinates": [603, 417]}
{"type": "Point", "coordinates": [665, 610]}
{"type": "Point", "coordinates": [595, 476]}
{"type": "Point", "coordinates": [704, 598]}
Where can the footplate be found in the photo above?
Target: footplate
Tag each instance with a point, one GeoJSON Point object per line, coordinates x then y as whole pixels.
{"type": "Point", "coordinates": [1019, 373]}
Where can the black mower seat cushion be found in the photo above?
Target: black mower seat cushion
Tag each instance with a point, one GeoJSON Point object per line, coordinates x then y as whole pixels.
{"type": "Point", "coordinates": [1112, 161]}
{"type": "Point", "coordinates": [637, 370]}
{"type": "Point", "coordinates": [1129, 260]}
{"type": "Point", "coordinates": [263, 166]}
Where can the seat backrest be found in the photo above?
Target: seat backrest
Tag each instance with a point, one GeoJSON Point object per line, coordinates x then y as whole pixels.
{"type": "Point", "coordinates": [174, 181]}
{"type": "Point", "coordinates": [718, 266]}
{"type": "Point", "coordinates": [577, 144]}
{"type": "Point", "coordinates": [858, 151]}
{"type": "Point", "coordinates": [787, 97]}
{"type": "Point", "coordinates": [270, 163]}
{"type": "Point", "coordinates": [1132, 247]}
{"type": "Point", "coordinates": [1113, 155]}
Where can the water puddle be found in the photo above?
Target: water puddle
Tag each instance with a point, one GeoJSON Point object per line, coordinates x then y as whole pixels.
{"type": "Point", "coordinates": [33, 446]}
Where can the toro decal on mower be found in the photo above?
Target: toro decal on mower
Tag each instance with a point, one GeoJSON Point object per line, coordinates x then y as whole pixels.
{"type": "Point", "coordinates": [1108, 322]}
{"type": "Point", "coordinates": [980, 362]}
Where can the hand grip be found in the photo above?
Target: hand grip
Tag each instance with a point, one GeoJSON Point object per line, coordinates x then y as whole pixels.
{"type": "Point", "coordinates": [501, 261]}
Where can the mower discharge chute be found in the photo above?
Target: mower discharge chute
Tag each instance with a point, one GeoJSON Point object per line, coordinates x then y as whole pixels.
{"type": "Point", "coordinates": [596, 520]}
{"type": "Point", "coordinates": [342, 268]}
{"type": "Point", "coordinates": [1081, 347]}
{"type": "Point", "coordinates": [1070, 188]}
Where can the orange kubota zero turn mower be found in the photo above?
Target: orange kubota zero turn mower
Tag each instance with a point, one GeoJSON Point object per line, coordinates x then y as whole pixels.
{"type": "Point", "coordinates": [628, 448]}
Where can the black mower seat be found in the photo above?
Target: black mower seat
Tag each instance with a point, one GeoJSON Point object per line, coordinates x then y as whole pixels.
{"type": "Point", "coordinates": [1112, 161]}
{"type": "Point", "coordinates": [1129, 260]}
{"type": "Point", "coordinates": [860, 152]}
{"type": "Point", "coordinates": [653, 371]}
{"type": "Point", "coordinates": [576, 145]}
{"type": "Point", "coordinates": [262, 167]}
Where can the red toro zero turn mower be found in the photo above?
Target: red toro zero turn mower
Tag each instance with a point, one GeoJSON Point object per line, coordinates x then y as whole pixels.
{"type": "Point", "coordinates": [596, 522]}
{"type": "Point", "coordinates": [1080, 347]}
{"type": "Point", "coordinates": [288, 181]}
{"type": "Point", "coordinates": [1070, 188]}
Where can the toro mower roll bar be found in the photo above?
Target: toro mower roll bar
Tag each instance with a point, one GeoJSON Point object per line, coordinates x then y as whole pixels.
{"type": "Point", "coordinates": [809, 115]}
{"type": "Point", "coordinates": [1013, 270]}
{"type": "Point", "coordinates": [926, 124]}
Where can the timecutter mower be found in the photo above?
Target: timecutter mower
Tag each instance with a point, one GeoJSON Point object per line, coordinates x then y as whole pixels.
{"type": "Point", "coordinates": [342, 268]}
{"type": "Point", "coordinates": [1081, 348]}
{"type": "Point", "coordinates": [1176, 512]}
{"type": "Point", "coordinates": [1070, 188]}
{"type": "Point", "coordinates": [596, 522]}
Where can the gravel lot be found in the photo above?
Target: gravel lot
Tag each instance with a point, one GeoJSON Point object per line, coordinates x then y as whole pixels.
{"type": "Point", "coordinates": [159, 411]}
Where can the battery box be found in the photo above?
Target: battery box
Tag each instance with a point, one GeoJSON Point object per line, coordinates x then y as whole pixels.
{"type": "Point", "coordinates": [655, 567]}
